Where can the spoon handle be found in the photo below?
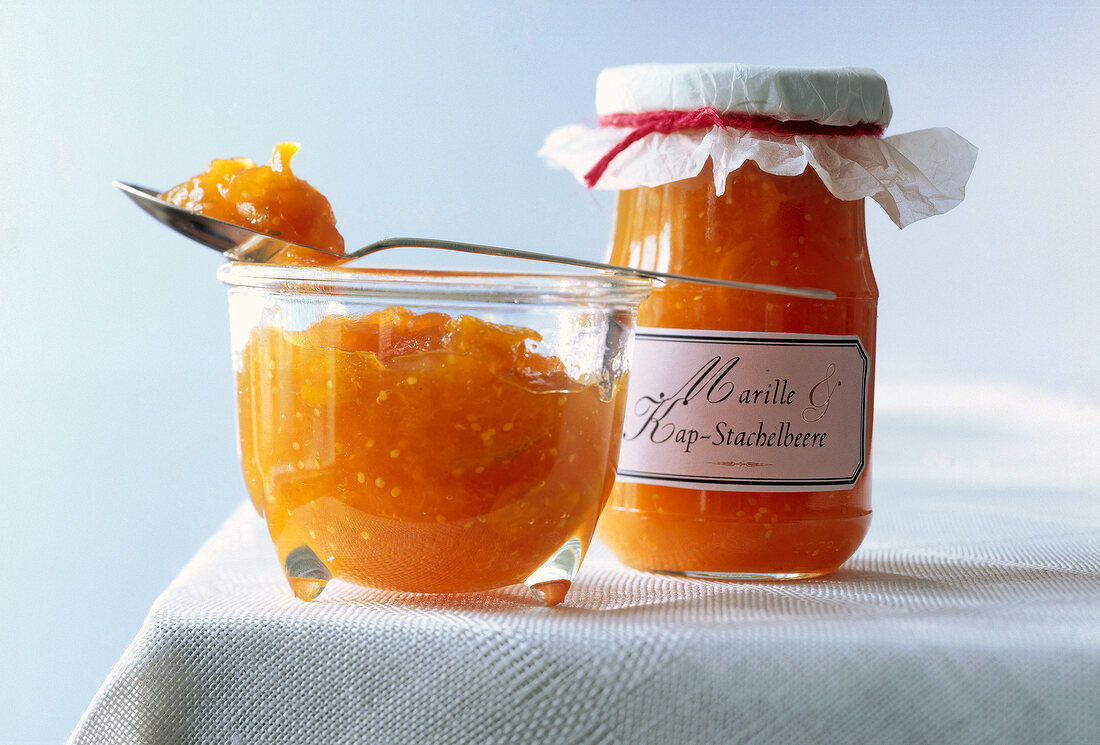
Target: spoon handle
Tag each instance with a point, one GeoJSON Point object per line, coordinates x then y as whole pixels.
{"type": "Point", "coordinates": [476, 248]}
{"type": "Point", "coordinates": [244, 244]}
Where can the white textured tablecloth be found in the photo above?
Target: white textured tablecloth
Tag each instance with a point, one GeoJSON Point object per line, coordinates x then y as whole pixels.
{"type": "Point", "coordinates": [971, 615]}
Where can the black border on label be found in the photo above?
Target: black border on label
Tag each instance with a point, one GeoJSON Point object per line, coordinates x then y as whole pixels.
{"type": "Point", "coordinates": [794, 340]}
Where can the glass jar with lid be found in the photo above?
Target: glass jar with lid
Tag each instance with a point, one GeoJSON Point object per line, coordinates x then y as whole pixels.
{"type": "Point", "coordinates": [747, 441]}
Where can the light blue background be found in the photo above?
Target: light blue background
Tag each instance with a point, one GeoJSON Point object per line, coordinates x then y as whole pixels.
{"type": "Point", "coordinates": [117, 443]}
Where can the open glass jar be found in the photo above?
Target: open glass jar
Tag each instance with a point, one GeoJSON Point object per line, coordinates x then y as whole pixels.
{"type": "Point", "coordinates": [429, 431]}
{"type": "Point", "coordinates": [747, 439]}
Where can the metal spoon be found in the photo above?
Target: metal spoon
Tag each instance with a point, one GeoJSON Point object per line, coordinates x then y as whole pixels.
{"type": "Point", "coordinates": [244, 244]}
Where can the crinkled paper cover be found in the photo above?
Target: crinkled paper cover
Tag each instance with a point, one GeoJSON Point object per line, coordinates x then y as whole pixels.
{"type": "Point", "coordinates": [912, 175]}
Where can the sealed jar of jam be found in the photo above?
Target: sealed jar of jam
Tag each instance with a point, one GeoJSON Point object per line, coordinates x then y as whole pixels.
{"type": "Point", "coordinates": [747, 440]}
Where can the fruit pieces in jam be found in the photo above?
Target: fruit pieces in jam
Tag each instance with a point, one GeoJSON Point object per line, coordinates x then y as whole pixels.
{"type": "Point", "coordinates": [269, 199]}
{"type": "Point", "coordinates": [421, 452]}
{"type": "Point", "coordinates": [787, 230]}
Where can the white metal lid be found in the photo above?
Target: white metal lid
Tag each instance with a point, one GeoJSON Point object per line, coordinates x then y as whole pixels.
{"type": "Point", "coordinates": [835, 96]}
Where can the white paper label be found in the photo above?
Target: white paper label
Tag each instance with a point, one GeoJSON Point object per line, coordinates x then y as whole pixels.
{"type": "Point", "coordinates": [741, 411]}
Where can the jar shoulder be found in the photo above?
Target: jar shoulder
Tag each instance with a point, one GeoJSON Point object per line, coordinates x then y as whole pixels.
{"type": "Point", "coordinates": [763, 228]}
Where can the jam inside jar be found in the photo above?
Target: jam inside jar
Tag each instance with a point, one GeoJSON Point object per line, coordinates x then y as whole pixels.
{"type": "Point", "coordinates": [429, 431]}
{"type": "Point", "coordinates": [787, 230]}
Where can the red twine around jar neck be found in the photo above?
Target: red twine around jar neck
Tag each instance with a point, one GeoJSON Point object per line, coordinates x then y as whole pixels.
{"type": "Point", "coordinates": [667, 122]}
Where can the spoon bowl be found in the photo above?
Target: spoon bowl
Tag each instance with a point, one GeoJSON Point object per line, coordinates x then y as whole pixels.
{"type": "Point", "coordinates": [244, 244]}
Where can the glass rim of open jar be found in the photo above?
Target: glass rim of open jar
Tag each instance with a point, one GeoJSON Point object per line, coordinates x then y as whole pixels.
{"type": "Point", "coordinates": [456, 286]}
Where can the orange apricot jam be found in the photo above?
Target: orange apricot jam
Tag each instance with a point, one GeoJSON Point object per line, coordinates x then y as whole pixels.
{"type": "Point", "coordinates": [787, 230]}
{"type": "Point", "coordinates": [269, 199]}
{"type": "Point", "coordinates": [420, 451]}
